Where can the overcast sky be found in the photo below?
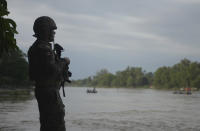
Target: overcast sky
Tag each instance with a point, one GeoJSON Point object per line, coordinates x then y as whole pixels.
{"type": "Point", "coordinates": [114, 34]}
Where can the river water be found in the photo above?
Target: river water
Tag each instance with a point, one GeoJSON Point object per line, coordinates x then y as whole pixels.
{"type": "Point", "coordinates": [109, 110]}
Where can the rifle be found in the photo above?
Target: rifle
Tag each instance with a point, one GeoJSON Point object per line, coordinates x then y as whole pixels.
{"type": "Point", "coordinates": [66, 74]}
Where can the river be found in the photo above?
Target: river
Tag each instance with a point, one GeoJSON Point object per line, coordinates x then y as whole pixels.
{"type": "Point", "coordinates": [111, 109]}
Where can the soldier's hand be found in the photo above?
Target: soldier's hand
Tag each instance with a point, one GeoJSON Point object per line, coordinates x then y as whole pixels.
{"type": "Point", "coordinates": [69, 74]}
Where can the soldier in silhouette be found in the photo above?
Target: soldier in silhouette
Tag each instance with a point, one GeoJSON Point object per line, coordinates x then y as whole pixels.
{"type": "Point", "coordinates": [47, 73]}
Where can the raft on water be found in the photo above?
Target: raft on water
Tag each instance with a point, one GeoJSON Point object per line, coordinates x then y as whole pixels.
{"type": "Point", "coordinates": [91, 91]}
{"type": "Point", "coordinates": [183, 91]}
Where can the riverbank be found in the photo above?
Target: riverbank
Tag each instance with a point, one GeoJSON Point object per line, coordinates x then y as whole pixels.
{"type": "Point", "coordinates": [136, 87]}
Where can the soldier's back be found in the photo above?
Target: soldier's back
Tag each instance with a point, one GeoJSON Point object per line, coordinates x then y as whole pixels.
{"type": "Point", "coordinates": [39, 55]}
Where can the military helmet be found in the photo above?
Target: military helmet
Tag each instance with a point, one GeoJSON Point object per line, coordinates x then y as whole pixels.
{"type": "Point", "coordinates": [43, 23]}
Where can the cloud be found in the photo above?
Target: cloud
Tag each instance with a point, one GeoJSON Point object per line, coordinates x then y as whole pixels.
{"type": "Point", "coordinates": [92, 31]}
{"type": "Point", "coordinates": [131, 32]}
{"type": "Point", "coordinates": [188, 1]}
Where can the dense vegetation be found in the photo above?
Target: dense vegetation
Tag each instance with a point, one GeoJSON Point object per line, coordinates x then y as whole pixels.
{"type": "Point", "coordinates": [7, 30]}
{"type": "Point", "coordinates": [13, 65]}
{"type": "Point", "coordinates": [183, 74]}
{"type": "Point", "coordinates": [14, 70]}
{"type": "Point", "coordinates": [130, 77]}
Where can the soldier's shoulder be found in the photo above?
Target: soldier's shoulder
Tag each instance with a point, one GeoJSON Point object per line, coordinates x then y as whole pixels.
{"type": "Point", "coordinates": [41, 45]}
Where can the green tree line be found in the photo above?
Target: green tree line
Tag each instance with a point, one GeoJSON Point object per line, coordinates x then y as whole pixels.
{"type": "Point", "coordinates": [183, 74]}
{"type": "Point", "coordinates": [130, 77]}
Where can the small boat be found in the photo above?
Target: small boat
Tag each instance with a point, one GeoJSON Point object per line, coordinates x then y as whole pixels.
{"type": "Point", "coordinates": [178, 92]}
{"type": "Point", "coordinates": [175, 92]}
{"type": "Point", "coordinates": [182, 92]}
{"type": "Point", "coordinates": [189, 93]}
{"type": "Point", "coordinates": [91, 91]}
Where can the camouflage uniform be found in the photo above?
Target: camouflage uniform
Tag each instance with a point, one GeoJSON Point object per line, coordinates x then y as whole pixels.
{"type": "Point", "coordinates": [46, 71]}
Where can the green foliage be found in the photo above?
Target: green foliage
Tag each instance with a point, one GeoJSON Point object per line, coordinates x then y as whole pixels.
{"type": "Point", "coordinates": [162, 76]}
{"type": "Point", "coordinates": [7, 30]}
{"type": "Point", "coordinates": [14, 69]}
{"type": "Point", "coordinates": [183, 74]}
{"type": "Point", "coordinates": [103, 78]}
{"type": "Point", "coordinates": [130, 77]}
{"type": "Point", "coordinates": [130, 81]}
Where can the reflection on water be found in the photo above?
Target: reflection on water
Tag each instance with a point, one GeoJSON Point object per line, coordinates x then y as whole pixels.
{"type": "Point", "coordinates": [110, 110]}
{"type": "Point", "coordinates": [15, 95]}
{"type": "Point", "coordinates": [13, 105]}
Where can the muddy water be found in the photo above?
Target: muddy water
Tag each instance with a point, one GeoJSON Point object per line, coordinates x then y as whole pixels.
{"type": "Point", "coordinates": [109, 110]}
